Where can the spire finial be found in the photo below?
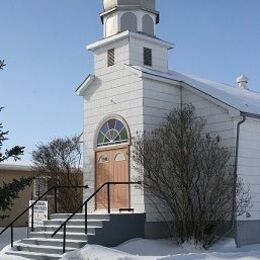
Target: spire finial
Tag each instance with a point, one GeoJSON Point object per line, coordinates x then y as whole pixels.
{"type": "Point", "coordinates": [242, 81]}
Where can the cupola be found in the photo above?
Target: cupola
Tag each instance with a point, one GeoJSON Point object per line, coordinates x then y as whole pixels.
{"type": "Point", "coordinates": [242, 82]}
{"type": "Point", "coordinates": [132, 15]}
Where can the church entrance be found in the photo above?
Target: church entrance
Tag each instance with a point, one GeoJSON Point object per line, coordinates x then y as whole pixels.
{"type": "Point", "coordinates": [112, 164]}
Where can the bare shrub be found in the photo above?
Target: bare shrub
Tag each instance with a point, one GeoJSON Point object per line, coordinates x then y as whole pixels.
{"type": "Point", "coordinates": [189, 172]}
{"type": "Point", "coordinates": [60, 160]}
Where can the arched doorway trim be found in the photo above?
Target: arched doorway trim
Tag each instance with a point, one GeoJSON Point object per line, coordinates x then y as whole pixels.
{"type": "Point", "coordinates": [112, 162]}
{"type": "Point", "coordinates": [112, 131]}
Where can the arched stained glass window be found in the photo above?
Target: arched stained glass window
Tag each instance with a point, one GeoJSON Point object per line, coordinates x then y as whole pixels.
{"type": "Point", "coordinates": [112, 132]}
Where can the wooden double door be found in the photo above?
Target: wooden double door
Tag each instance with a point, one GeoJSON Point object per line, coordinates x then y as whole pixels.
{"type": "Point", "coordinates": [112, 166]}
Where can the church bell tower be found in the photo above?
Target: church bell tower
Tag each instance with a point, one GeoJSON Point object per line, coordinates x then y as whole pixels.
{"type": "Point", "coordinates": [129, 37]}
{"type": "Point", "coordinates": [132, 15]}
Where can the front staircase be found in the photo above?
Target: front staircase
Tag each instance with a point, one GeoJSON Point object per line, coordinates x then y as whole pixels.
{"type": "Point", "coordinates": [103, 229]}
{"type": "Point", "coordinates": [40, 244]}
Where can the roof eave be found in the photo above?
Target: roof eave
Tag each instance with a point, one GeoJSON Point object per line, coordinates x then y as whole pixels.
{"type": "Point", "coordinates": [125, 35]}
{"type": "Point", "coordinates": [181, 83]}
{"type": "Point", "coordinates": [80, 91]}
{"type": "Point", "coordinates": [251, 115]}
{"type": "Point", "coordinates": [143, 74]}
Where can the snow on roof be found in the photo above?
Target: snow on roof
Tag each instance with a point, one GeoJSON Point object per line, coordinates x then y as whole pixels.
{"type": "Point", "coordinates": [244, 100]}
{"type": "Point", "coordinates": [85, 84]}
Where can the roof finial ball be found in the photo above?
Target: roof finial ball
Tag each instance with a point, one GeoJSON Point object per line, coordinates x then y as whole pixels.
{"type": "Point", "coordinates": [242, 82]}
{"type": "Point", "coordinates": [132, 15]}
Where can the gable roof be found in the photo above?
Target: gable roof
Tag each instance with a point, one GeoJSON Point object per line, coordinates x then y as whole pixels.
{"type": "Point", "coordinates": [246, 101]}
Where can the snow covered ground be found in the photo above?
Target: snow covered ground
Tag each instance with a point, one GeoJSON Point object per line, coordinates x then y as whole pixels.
{"type": "Point", "coordinates": [7, 257]}
{"type": "Point", "coordinates": [140, 249]}
{"type": "Point", "coordinates": [19, 233]}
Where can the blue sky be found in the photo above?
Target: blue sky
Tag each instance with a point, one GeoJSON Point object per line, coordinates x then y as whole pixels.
{"type": "Point", "coordinates": [43, 43]}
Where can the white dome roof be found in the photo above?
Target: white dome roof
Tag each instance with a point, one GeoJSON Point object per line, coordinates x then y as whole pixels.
{"type": "Point", "coordinates": [146, 4]}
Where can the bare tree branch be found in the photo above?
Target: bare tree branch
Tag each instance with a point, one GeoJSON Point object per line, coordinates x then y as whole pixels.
{"type": "Point", "coordinates": [191, 174]}
{"type": "Point", "coordinates": [61, 161]}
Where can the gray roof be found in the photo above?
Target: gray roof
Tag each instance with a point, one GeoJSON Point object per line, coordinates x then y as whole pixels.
{"type": "Point", "coordinates": [244, 100]}
{"type": "Point", "coordinates": [15, 167]}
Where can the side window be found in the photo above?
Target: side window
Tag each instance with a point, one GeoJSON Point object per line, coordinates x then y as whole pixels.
{"type": "Point", "coordinates": [111, 57]}
{"type": "Point", "coordinates": [148, 57]}
{"type": "Point", "coordinates": [120, 157]}
{"type": "Point", "coordinates": [103, 159]}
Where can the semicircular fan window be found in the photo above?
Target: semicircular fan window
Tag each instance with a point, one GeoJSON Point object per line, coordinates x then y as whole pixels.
{"type": "Point", "coordinates": [112, 132]}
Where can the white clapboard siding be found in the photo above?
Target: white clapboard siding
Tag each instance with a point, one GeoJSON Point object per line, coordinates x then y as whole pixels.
{"type": "Point", "coordinates": [159, 54]}
{"type": "Point", "coordinates": [115, 91]}
{"type": "Point", "coordinates": [249, 162]}
{"type": "Point", "coordinates": [159, 99]}
{"type": "Point", "coordinates": [219, 120]}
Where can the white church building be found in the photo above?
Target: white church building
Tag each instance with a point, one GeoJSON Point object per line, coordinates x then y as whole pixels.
{"type": "Point", "coordinates": [132, 89]}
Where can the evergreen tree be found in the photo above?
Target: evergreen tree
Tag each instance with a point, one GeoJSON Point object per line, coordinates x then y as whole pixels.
{"type": "Point", "coordinates": [2, 64]}
{"type": "Point", "coordinates": [10, 191]}
{"type": "Point", "coordinates": [13, 153]}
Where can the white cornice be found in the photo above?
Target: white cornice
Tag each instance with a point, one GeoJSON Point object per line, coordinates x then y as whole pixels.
{"type": "Point", "coordinates": [128, 34]}
{"type": "Point", "coordinates": [86, 83]}
{"type": "Point", "coordinates": [129, 7]}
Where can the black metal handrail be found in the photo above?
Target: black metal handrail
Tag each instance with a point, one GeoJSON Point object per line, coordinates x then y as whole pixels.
{"type": "Point", "coordinates": [55, 188]}
{"type": "Point", "coordinates": [64, 225]}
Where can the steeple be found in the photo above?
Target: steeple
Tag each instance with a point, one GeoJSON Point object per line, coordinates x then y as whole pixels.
{"type": "Point", "coordinates": [132, 15]}
{"type": "Point", "coordinates": [129, 37]}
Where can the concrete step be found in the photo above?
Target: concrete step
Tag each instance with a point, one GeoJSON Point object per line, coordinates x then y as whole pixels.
{"type": "Point", "coordinates": [59, 235]}
{"type": "Point", "coordinates": [80, 216]}
{"type": "Point", "coordinates": [42, 249]}
{"type": "Point", "coordinates": [73, 222]}
{"type": "Point", "coordinates": [69, 229]}
{"type": "Point", "coordinates": [40, 245]}
{"type": "Point", "coordinates": [33, 255]}
{"type": "Point", "coordinates": [54, 242]}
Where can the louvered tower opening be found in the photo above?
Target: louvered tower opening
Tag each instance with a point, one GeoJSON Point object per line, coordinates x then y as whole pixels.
{"type": "Point", "coordinates": [111, 57]}
{"type": "Point", "coordinates": [148, 57]}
